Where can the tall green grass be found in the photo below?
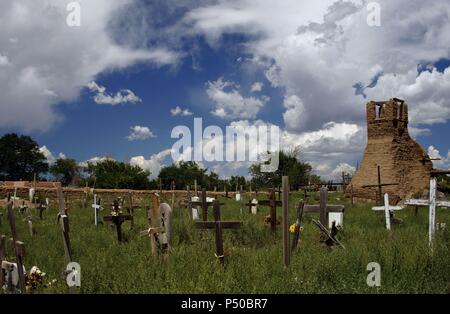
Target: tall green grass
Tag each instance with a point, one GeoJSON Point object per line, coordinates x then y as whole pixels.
{"type": "Point", "coordinates": [253, 254]}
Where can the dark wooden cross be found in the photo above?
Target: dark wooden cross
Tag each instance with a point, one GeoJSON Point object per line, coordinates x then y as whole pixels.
{"type": "Point", "coordinates": [298, 223]}
{"type": "Point", "coordinates": [250, 205]}
{"type": "Point", "coordinates": [218, 225]}
{"type": "Point", "coordinates": [323, 208]}
{"type": "Point", "coordinates": [286, 237]}
{"type": "Point", "coordinates": [117, 218]}
{"type": "Point", "coordinates": [63, 220]}
{"type": "Point", "coordinates": [19, 248]}
{"type": "Point", "coordinates": [23, 208]}
{"type": "Point", "coordinates": [204, 205]}
{"type": "Point", "coordinates": [2, 257]}
{"type": "Point", "coordinates": [131, 208]}
{"type": "Point", "coordinates": [41, 207]}
{"type": "Point", "coordinates": [226, 192]}
{"type": "Point", "coordinates": [379, 186]}
{"type": "Point", "coordinates": [273, 204]}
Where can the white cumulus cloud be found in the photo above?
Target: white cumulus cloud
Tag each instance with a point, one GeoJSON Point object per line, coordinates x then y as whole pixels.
{"type": "Point", "coordinates": [154, 164]}
{"type": "Point", "coordinates": [45, 54]}
{"type": "Point", "coordinates": [177, 111]}
{"type": "Point", "coordinates": [140, 133]}
{"type": "Point", "coordinates": [121, 97]}
{"type": "Point", "coordinates": [230, 104]}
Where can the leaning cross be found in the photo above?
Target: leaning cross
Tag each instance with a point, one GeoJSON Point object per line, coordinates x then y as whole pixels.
{"type": "Point", "coordinates": [388, 211]}
{"type": "Point", "coordinates": [63, 220]}
{"type": "Point", "coordinates": [432, 204]}
{"type": "Point", "coordinates": [273, 204]}
{"type": "Point", "coordinates": [18, 248]}
{"type": "Point", "coordinates": [218, 225]}
{"type": "Point", "coordinates": [298, 222]}
{"type": "Point", "coordinates": [323, 208]}
{"type": "Point", "coordinates": [97, 207]}
{"type": "Point", "coordinates": [118, 219]}
{"type": "Point", "coordinates": [330, 234]}
{"type": "Point", "coordinates": [379, 185]}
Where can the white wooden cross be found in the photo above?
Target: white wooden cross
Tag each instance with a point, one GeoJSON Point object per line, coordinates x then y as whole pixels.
{"type": "Point", "coordinates": [97, 207]}
{"type": "Point", "coordinates": [432, 203]}
{"type": "Point", "coordinates": [388, 209]}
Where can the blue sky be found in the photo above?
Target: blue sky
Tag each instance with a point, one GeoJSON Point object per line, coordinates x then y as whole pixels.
{"type": "Point", "coordinates": [205, 57]}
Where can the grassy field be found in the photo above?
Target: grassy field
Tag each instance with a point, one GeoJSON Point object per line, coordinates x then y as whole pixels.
{"type": "Point", "coordinates": [254, 254]}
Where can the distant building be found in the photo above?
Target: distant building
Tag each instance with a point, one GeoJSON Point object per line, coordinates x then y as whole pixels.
{"type": "Point", "coordinates": [400, 159]}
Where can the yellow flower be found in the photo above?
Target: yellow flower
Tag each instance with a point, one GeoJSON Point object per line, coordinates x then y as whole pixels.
{"type": "Point", "coordinates": [292, 228]}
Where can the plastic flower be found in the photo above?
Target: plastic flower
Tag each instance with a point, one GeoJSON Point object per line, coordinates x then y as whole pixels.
{"type": "Point", "coordinates": [292, 228]}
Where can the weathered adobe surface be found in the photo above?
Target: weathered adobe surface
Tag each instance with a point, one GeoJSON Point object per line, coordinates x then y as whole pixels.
{"type": "Point", "coordinates": [401, 159]}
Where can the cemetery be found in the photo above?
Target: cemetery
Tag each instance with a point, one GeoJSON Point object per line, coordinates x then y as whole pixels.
{"type": "Point", "coordinates": [240, 254]}
{"type": "Point", "coordinates": [56, 239]}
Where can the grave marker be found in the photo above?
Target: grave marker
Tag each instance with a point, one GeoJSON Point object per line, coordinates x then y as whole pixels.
{"type": "Point", "coordinates": [18, 246]}
{"type": "Point", "coordinates": [63, 220]}
{"type": "Point", "coordinates": [324, 208]}
{"type": "Point", "coordinates": [273, 204]}
{"type": "Point", "coordinates": [330, 234]}
{"type": "Point", "coordinates": [41, 207]}
{"type": "Point", "coordinates": [131, 208]}
{"type": "Point", "coordinates": [379, 185]}
{"type": "Point", "coordinates": [117, 218]}
{"type": "Point", "coordinates": [388, 211]}
{"type": "Point", "coordinates": [29, 220]}
{"type": "Point", "coordinates": [432, 204]}
{"type": "Point", "coordinates": [160, 236]}
{"type": "Point", "coordinates": [253, 206]}
{"type": "Point", "coordinates": [218, 225]}
{"type": "Point", "coordinates": [286, 238]}
{"type": "Point", "coordinates": [298, 223]}
{"type": "Point", "coordinates": [204, 204]}
{"type": "Point", "coordinates": [2, 258]}
{"type": "Point", "coordinates": [97, 208]}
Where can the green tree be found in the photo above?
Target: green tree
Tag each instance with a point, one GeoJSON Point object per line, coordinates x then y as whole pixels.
{"type": "Point", "coordinates": [289, 165]}
{"type": "Point", "coordinates": [183, 173]}
{"type": "Point", "coordinates": [237, 181]}
{"type": "Point", "coordinates": [20, 158]}
{"type": "Point", "coordinates": [65, 170]}
{"type": "Point", "coordinates": [112, 174]}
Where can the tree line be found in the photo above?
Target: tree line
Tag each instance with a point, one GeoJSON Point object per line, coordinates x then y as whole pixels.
{"type": "Point", "coordinates": [21, 159]}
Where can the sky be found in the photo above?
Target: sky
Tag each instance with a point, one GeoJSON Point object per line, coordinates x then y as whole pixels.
{"type": "Point", "coordinates": [119, 82]}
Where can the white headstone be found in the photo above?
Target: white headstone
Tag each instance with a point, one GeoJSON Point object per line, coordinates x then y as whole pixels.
{"type": "Point", "coordinates": [254, 207]}
{"type": "Point", "coordinates": [337, 217]}
{"type": "Point", "coordinates": [31, 194]}
{"type": "Point", "coordinates": [195, 215]}
{"type": "Point", "coordinates": [11, 268]}
{"type": "Point", "coordinates": [166, 211]}
{"type": "Point", "coordinates": [238, 197]}
{"type": "Point", "coordinates": [210, 199]}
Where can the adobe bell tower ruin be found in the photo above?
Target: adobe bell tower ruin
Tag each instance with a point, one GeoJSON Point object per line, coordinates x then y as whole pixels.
{"type": "Point", "coordinates": [404, 165]}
